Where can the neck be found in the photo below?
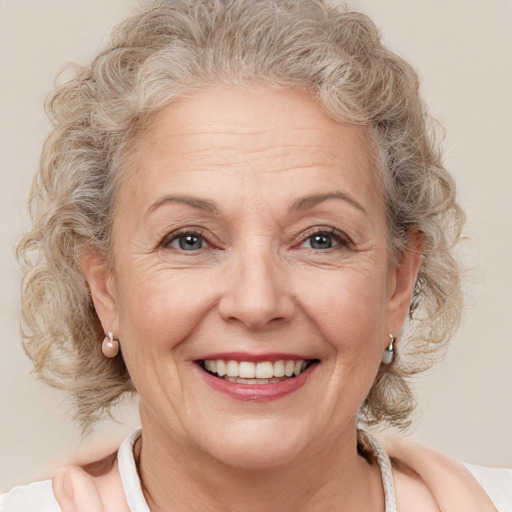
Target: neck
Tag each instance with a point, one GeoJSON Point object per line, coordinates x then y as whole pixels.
{"type": "Point", "coordinates": [178, 477]}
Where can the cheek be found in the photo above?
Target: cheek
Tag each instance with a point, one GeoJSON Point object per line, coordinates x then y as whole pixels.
{"type": "Point", "coordinates": [349, 309]}
{"type": "Point", "coordinates": [159, 310]}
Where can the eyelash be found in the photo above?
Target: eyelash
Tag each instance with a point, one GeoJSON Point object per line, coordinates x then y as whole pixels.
{"type": "Point", "coordinates": [340, 238]}
{"type": "Point", "coordinates": [175, 235]}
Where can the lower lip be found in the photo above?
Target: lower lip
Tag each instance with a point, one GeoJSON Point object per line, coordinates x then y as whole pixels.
{"type": "Point", "coordinates": [258, 392]}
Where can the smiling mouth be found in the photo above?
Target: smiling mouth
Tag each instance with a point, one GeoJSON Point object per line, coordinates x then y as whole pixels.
{"type": "Point", "coordinates": [248, 372]}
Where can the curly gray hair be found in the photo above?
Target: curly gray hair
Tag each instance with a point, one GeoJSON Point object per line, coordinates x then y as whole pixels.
{"type": "Point", "coordinates": [171, 49]}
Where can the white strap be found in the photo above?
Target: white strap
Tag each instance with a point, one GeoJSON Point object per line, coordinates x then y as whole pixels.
{"type": "Point", "coordinates": [130, 476]}
{"type": "Point", "coordinates": [370, 443]}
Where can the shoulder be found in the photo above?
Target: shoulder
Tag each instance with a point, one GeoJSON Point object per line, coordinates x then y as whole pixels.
{"type": "Point", "coordinates": [452, 485]}
{"type": "Point", "coordinates": [92, 487]}
{"type": "Point", "coordinates": [497, 483]}
{"type": "Point", "coordinates": [95, 486]}
{"type": "Point", "coordinates": [37, 496]}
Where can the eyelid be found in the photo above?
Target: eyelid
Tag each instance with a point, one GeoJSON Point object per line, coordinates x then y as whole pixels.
{"type": "Point", "coordinates": [189, 230]}
{"type": "Point", "coordinates": [340, 237]}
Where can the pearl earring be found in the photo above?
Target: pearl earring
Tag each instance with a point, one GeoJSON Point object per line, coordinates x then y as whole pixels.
{"type": "Point", "coordinates": [389, 353]}
{"type": "Point", "coordinates": [110, 346]}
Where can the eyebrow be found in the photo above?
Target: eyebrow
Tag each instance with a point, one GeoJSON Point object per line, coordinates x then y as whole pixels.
{"type": "Point", "coordinates": [312, 200]}
{"type": "Point", "coordinates": [298, 205]}
{"type": "Point", "coordinates": [201, 204]}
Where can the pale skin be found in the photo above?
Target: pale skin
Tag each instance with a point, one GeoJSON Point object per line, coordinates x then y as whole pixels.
{"type": "Point", "coordinates": [288, 253]}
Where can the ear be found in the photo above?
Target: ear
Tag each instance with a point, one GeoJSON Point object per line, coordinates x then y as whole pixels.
{"type": "Point", "coordinates": [402, 278]}
{"type": "Point", "coordinates": [100, 279]}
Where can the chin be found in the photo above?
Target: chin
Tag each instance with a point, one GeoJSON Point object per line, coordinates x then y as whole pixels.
{"type": "Point", "coordinates": [254, 445]}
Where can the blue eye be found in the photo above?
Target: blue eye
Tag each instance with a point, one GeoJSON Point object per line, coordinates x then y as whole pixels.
{"type": "Point", "coordinates": [323, 240]}
{"type": "Point", "coordinates": [187, 242]}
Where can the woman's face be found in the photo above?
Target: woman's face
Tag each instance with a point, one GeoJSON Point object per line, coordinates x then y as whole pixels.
{"type": "Point", "coordinates": [250, 238]}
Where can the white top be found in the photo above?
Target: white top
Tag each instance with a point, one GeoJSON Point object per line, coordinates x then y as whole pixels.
{"type": "Point", "coordinates": [38, 496]}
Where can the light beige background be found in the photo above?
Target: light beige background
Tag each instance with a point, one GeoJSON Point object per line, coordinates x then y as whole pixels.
{"type": "Point", "coordinates": [463, 51]}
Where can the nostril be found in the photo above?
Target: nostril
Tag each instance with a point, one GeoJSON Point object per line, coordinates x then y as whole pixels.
{"type": "Point", "coordinates": [255, 292]}
{"type": "Point", "coordinates": [255, 313]}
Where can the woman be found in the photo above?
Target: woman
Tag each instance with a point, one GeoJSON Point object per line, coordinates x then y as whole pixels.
{"type": "Point", "coordinates": [237, 210]}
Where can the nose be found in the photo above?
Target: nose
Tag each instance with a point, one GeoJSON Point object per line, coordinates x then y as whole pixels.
{"type": "Point", "coordinates": [256, 293]}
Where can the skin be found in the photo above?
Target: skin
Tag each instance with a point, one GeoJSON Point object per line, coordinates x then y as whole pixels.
{"type": "Point", "coordinates": [275, 170]}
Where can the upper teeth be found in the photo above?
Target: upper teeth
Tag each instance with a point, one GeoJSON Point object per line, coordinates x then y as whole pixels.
{"type": "Point", "coordinates": [250, 370]}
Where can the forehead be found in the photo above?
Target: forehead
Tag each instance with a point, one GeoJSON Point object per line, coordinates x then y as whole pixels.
{"type": "Point", "coordinates": [253, 137]}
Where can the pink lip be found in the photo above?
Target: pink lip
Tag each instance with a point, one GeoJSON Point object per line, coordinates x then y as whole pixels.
{"type": "Point", "coordinates": [257, 392]}
{"type": "Point", "coordinates": [254, 358]}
